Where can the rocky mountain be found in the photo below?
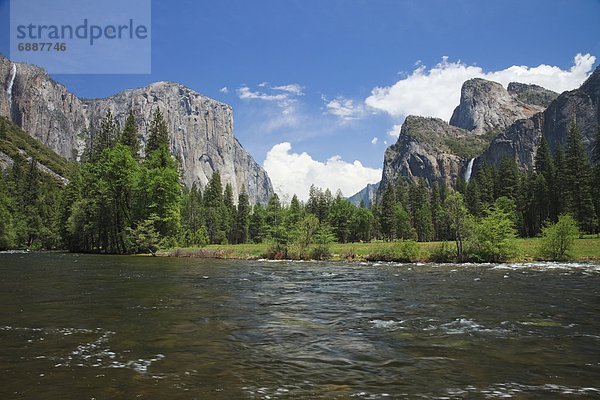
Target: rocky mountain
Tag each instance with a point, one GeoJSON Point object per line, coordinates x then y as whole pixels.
{"type": "Point", "coordinates": [431, 149]}
{"type": "Point", "coordinates": [366, 195]}
{"type": "Point", "coordinates": [521, 139]}
{"type": "Point", "coordinates": [486, 105]}
{"type": "Point", "coordinates": [201, 128]}
{"type": "Point", "coordinates": [434, 150]}
{"type": "Point", "coordinates": [531, 94]}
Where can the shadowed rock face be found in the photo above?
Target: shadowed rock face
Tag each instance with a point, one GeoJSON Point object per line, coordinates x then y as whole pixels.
{"type": "Point", "coordinates": [201, 128]}
{"type": "Point", "coordinates": [486, 105]}
{"type": "Point", "coordinates": [429, 149]}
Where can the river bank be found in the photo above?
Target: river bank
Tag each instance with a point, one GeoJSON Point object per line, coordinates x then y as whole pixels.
{"type": "Point", "coordinates": [584, 249]}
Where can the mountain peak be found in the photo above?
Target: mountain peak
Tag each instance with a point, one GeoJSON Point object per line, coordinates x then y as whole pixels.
{"type": "Point", "coordinates": [485, 105]}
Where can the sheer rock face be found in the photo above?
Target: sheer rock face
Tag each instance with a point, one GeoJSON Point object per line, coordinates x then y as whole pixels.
{"type": "Point", "coordinates": [201, 128]}
{"type": "Point", "coordinates": [421, 152]}
{"type": "Point", "coordinates": [486, 105]}
{"type": "Point", "coordinates": [521, 140]}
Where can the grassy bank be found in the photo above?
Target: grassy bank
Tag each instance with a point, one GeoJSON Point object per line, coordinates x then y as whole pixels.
{"type": "Point", "coordinates": [585, 249]}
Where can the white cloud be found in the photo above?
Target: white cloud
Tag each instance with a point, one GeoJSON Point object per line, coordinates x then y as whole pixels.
{"type": "Point", "coordinates": [374, 140]}
{"type": "Point", "coordinates": [245, 93]}
{"type": "Point", "coordinates": [343, 108]}
{"type": "Point", "coordinates": [224, 89]}
{"type": "Point", "coordinates": [435, 92]}
{"type": "Point", "coordinates": [293, 88]}
{"type": "Point", "coordinates": [293, 173]}
{"type": "Point", "coordinates": [394, 131]}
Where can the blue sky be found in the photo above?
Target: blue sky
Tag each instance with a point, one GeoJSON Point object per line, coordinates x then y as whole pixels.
{"type": "Point", "coordinates": [307, 72]}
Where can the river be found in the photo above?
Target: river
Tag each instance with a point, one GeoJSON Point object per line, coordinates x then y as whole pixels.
{"type": "Point", "coordinates": [109, 327]}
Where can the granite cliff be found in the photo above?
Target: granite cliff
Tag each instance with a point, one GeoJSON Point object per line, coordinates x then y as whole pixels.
{"type": "Point", "coordinates": [489, 124]}
{"type": "Point", "coordinates": [521, 140]}
{"type": "Point", "coordinates": [201, 128]}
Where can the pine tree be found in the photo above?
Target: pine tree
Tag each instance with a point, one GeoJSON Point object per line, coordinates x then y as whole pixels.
{"type": "Point", "coordinates": [340, 216]}
{"type": "Point", "coordinates": [294, 213]}
{"type": "Point", "coordinates": [388, 211]}
{"type": "Point", "coordinates": [214, 206]}
{"type": "Point", "coordinates": [230, 212]}
{"type": "Point", "coordinates": [129, 136]}
{"type": "Point", "coordinates": [578, 189]}
{"type": "Point", "coordinates": [158, 134]}
{"type": "Point", "coordinates": [242, 219]}
{"type": "Point", "coordinates": [257, 228]}
{"type": "Point", "coordinates": [274, 212]}
{"type": "Point", "coordinates": [508, 178]}
{"type": "Point", "coordinates": [596, 184]}
{"type": "Point", "coordinates": [560, 180]}
{"type": "Point", "coordinates": [544, 165]}
{"type": "Point", "coordinates": [106, 137]}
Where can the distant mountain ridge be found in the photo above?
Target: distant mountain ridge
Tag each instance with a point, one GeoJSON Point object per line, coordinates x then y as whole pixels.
{"type": "Point", "coordinates": [201, 128]}
{"type": "Point", "coordinates": [366, 195]}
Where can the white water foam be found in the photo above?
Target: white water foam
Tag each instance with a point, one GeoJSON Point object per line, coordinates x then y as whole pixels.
{"type": "Point", "coordinates": [96, 353]}
{"type": "Point", "coordinates": [508, 390]}
{"type": "Point", "coordinates": [11, 81]}
{"type": "Point", "coordinates": [383, 324]}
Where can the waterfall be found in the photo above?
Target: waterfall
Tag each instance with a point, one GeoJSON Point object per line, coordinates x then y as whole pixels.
{"type": "Point", "coordinates": [10, 84]}
{"type": "Point", "coordinates": [469, 170]}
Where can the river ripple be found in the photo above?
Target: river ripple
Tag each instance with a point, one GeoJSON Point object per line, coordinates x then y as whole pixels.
{"type": "Point", "coordinates": [80, 326]}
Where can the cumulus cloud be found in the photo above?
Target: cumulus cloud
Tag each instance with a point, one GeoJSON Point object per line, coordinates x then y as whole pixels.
{"type": "Point", "coordinates": [394, 131]}
{"type": "Point", "coordinates": [435, 92]}
{"type": "Point", "coordinates": [374, 140]}
{"type": "Point", "coordinates": [224, 89]}
{"type": "Point", "coordinates": [343, 108]}
{"type": "Point", "coordinates": [293, 173]}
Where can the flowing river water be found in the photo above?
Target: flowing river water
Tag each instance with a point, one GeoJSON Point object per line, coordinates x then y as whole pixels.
{"type": "Point", "coordinates": [106, 327]}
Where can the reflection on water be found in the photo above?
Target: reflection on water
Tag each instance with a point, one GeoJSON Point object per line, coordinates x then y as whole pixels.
{"type": "Point", "coordinates": [77, 326]}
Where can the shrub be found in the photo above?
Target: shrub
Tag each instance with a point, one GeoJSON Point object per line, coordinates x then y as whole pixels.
{"type": "Point", "coordinates": [558, 238]}
{"type": "Point", "coordinates": [493, 238]}
{"type": "Point", "coordinates": [402, 251]}
{"type": "Point", "coordinates": [444, 253]}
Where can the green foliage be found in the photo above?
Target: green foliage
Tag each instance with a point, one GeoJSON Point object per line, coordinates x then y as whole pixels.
{"type": "Point", "coordinates": [129, 136]}
{"type": "Point", "coordinates": [323, 240]}
{"type": "Point", "coordinates": [458, 220]}
{"type": "Point", "coordinates": [558, 238]}
{"type": "Point", "coordinates": [402, 251]}
{"type": "Point", "coordinates": [241, 226]}
{"type": "Point", "coordinates": [443, 253]}
{"type": "Point", "coordinates": [492, 239]}
{"type": "Point", "coordinates": [304, 236]}
{"type": "Point", "coordinates": [258, 227]}
{"type": "Point", "coordinates": [105, 137]}
{"type": "Point", "coordinates": [143, 238]}
{"type": "Point", "coordinates": [158, 134]}
{"type": "Point", "coordinates": [19, 145]}
{"type": "Point", "coordinates": [578, 180]}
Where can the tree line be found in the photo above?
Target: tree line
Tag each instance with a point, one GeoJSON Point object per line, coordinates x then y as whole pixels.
{"type": "Point", "coordinates": [118, 201]}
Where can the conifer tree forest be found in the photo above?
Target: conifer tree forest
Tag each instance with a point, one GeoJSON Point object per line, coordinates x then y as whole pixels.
{"type": "Point", "coordinates": [118, 201]}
